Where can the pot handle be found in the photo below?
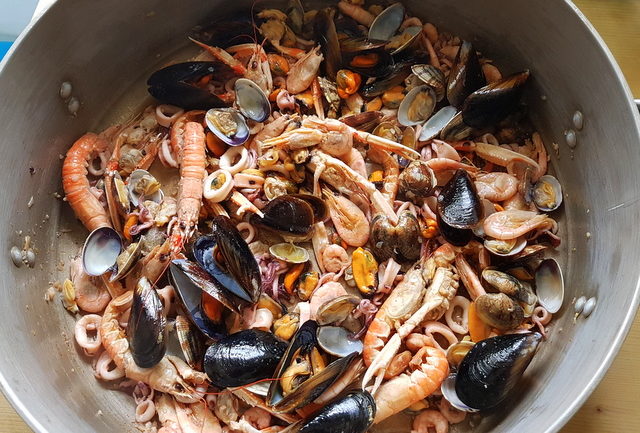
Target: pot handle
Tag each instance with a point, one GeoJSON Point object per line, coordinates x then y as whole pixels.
{"type": "Point", "coordinates": [637, 103]}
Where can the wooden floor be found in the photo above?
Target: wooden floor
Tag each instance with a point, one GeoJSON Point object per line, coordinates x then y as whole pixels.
{"type": "Point", "coordinates": [613, 407]}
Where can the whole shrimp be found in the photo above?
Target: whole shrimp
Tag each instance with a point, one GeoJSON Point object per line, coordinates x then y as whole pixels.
{"type": "Point", "coordinates": [511, 224]}
{"type": "Point", "coordinates": [362, 16]}
{"type": "Point", "coordinates": [192, 173]}
{"type": "Point", "coordinates": [349, 221]}
{"type": "Point", "coordinates": [91, 296]}
{"type": "Point", "coordinates": [391, 169]}
{"type": "Point", "coordinates": [304, 71]}
{"type": "Point", "coordinates": [409, 305]}
{"type": "Point", "coordinates": [75, 182]}
{"type": "Point", "coordinates": [496, 186]}
{"type": "Point", "coordinates": [171, 375]}
{"type": "Point", "coordinates": [427, 370]}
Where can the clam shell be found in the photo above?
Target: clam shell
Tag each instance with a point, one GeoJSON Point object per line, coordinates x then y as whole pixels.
{"type": "Point", "coordinates": [101, 250]}
{"type": "Point", "coordinates": [505, 248]}
{"type": "Point", "coordinates": [127, 259]}
{"type": "Point", "coordinates": [251, 100]}
{"type": "Point", "coordinates": [417, 106]}
{"type": "Point", "coordinates": [436, 123]}
{"type": "Point", "coordinates": [432, 76]}
{"type": "Point", "coordinates": [337, 341]}
{"type": "Point", "coordinates": [289, 252]}
{"type": "Point", "coordinates": [547, 194]}
{"type": "Point", "coordinates": [387, 23]}
{"type": "Point", "coordinates": [134, 186]}
{"type": "Point", "coordinates": [550, 285]}
{"type": "Point", "coordinates": [241, 133]}
{"type": "Point", "coordinates": [336, 310]}
{"type": "Point", "coordinates": [413, 32]}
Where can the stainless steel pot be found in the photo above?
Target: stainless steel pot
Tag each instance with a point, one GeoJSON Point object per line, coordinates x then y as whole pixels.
{"type": "Point", "coordinates": [106, 49]}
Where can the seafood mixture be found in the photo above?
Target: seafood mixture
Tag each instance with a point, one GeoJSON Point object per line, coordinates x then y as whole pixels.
{"type": "Point", "coordinates": [326, 218]}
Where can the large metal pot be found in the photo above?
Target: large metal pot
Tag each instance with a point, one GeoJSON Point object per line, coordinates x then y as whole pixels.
{"type": "Point", "coordinates": [106, 49]}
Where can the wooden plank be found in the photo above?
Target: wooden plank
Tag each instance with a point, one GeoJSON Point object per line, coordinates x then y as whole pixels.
{"type": "Point", "coordinates": [612, 407]}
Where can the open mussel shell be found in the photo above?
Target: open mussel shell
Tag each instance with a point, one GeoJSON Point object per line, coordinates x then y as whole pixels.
{"type": "Point", "coordinates": [127, 259]}
{"type": "Point", "coordinates": [325, 32]}
{"type": "Point", "coordinates": [336, 310]}
{"type": "Point", "coordinates": [143, 186]}
{"type": "Point", "coordinates": [289, 252]}
{"type": "Point", "coordinates": [287, 215]}
{"type": "Point", "coordinates": [490, 371]}
{"type": "Point", "coordinates": [432, 76]}
{"type": "Point", "coordinates": [251, 100]}
{"type": "Point", "coordinates": [505, 248]}
{"type": "Point", "coordinates": [146, 328]}
{"type": "Point", "coordinates": [238, 260]}
{"type": "Point", "coordinates": [465, 76]}
{"type": "Point", "coordinates": [242, 358]}
{"type": "Point", "coordinates": [489, 105]}
{"type": "Point", "coordinates": [190, 341]}
{"type": "Point", "coordinates": [228, 125]}
{"type": "Point", "coordinates": [458, 203]}
{"type": "Point", "coordinates": [550, 285]}
{"type": "Point", "coordinates": [387, 22]}
{"type": "Point", "coordinates": [359, 45]}
{"type": "Point", "coordinates": [436, 123]}
{"type": "Point", "coordinates": [338, 341]}
{"type": "Point", "coordinates": [101, 250]}
{"type": "Point", "coordinates": [352, 413]}
{"type": "Point", "coordinates": [547, 193]}
{"type": "Point", "coordinates": [175, 85]}
{"type": "Point", "coordinates": [417, 106]}
{"type": "Point", "coordinates": [395, 75]}
{"type": "Point", "coordinates": [302, 345]}
{"type": "Point", "coordinates": [456, 129]}
{"type": "Point", "coordinates": [190, 282]}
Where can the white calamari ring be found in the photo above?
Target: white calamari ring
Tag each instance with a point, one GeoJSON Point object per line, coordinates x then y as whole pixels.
{"type": "Point", "coordinates": [246, 180]}
{"type": "Point", "coordinates": [213, 191]}
{"type": "Point", "coordinates": [433, 327]}
{"type": "Point", "coordinates": [463, 304]}
{"type": "Point", "coordinates": [84, 326]}
{"type": "Point", "coordinates": [244, 226]}
{"type": "Point", "coordinates": [167, 114]}
{"type": "Point", "coordinates": [228, 158]}
{"type": "Point", "coordinates": [166, 155]}
{"type": "Point", "coordinates": [145, 411]}
{"type": "Point", "coordinates": [106, 369]}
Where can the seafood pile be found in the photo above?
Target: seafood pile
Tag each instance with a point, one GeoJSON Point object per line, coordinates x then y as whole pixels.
{"type": "Point", "coordinates": [326, 218]}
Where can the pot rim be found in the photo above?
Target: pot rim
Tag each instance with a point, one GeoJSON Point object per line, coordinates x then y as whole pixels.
{"type": "Point", "coordinates": [33, 422]}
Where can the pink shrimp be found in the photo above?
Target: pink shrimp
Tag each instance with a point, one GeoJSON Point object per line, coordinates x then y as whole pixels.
{"type": "Point", "coordinates": [469, 277]}
{"type": "Point", "coordinates": [335, 258]}
{"type": "Point", "coordinates": [438, 164]}
{"type": "Point", "coordinates": [511, 224]}
{"type": "Point", "coordinates": [356, 12]}
{"type": "Point", "coordinates": [304, 71]}
{"type": "Point", "coordinates": [349, 221]}
{"type": "Point", "coordinates": [91, 295]}
{"type": "Point", "coordinates": [496, 186]}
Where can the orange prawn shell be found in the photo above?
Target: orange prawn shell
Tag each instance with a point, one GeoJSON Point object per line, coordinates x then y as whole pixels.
{"type": "Point", "coordinates": [75, 183]}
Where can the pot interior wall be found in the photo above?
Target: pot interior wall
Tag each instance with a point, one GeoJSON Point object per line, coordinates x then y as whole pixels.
{"type": "Point", "coordinates": [107, 49]}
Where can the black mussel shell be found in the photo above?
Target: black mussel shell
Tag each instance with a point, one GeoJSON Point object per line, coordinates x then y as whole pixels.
{"type": "Point", "coordinates": [146, 329]}
{"type": "Point", "coordinates": [240, 266]}
{"type": "Point", "coordinates": [395, 75]}
{"type": "Point", "coordinates": [325, 33]}
{"type": "Point", "coordinates": [243, 358]}
{"type": "Point", "coordinates": [302, 343]}
{"type": "Point", "coordinates": [458, 203]}
{"type": "Point", "coordinates": [189, 281]}
{"type": "Point", "coordinates": [457, 237]}
{"type": "Point", "coordinates": [204, 281]}
{"type": "Point", "coordinates": [359, 45]}
{"type": "Point", "coordinates": [466, 75]}
{"type": "Point", "coordinates": [320, 210]}
{"type": "Point", "coordinates": [489, 105]}
{"type": "Point", "coordinates": [287, 215]}
{"type": "Point", "coordinates": [347, 27]}
{"type": "Point", "coordinates": [175, 85]}
{"type": "Point", "coordinates": [493, 367]}
{"type": "Point", "coordinates": [353, 413]}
